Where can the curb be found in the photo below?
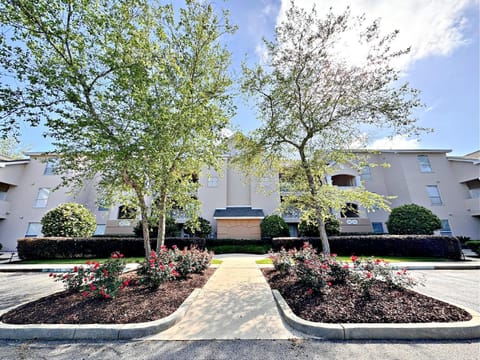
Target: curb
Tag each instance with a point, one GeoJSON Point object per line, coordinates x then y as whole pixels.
{"type": "Point", "coordinates": [94, 331]}
{"type": "Point", "coordinates": [411, 331]}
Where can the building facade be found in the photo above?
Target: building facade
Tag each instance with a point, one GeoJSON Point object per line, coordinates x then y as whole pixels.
{"type": "Point", "coordinates": [235, 205]}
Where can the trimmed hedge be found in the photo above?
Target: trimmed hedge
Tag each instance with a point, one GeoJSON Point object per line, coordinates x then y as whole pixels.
{"type": "Point", "coordinates": [382, 245]}
{"type": "Point", "coordinates": [99, 247]}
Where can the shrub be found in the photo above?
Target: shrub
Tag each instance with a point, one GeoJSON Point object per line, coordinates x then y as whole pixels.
{"type": "Point", "coordinates": [199, 228]}
{"type": "Point", "coordinates": [69, 219]}
{"type": "Point", "coordinates": [309, 227]}
{"type": "Point", "coordinates": [274, 226]}
{"type": "Point", "coordinates": [100, 280]}
{"type": "Point", "coordinates": [282, 261]}
{"type": "Point", "coordinates": [463, 239]}
{"type": "Point", "coordinates": [413, 219]}
{"type": "Point", "coordinates": [157, 269]}
{"type": "Point", "coordinates": [1, 246]}
{"type": "Point", "coordinates": [171, 228]}
{"type": "Point", "coordinates": [474, 245]}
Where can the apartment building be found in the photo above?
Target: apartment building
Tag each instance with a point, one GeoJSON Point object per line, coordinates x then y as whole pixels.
{"type": "Point", "coordinates": [235, 205]}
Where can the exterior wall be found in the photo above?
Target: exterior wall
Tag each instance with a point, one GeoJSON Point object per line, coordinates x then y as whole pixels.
{"type": "Point", "coordinates": [238, 229]}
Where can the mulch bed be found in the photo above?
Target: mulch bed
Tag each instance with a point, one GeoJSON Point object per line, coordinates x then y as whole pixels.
{"type": "Point", "coordinates": [344, 304]}
{"type": "Point", "coordinates": [133, 304]}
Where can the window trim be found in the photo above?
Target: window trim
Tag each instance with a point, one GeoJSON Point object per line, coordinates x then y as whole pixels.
{"type": "Point", "coordinates": [50, 166]}
{"type": "Point", "coordinates": [445, 230]}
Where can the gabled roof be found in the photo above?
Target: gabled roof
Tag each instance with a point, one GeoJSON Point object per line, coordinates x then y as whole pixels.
{"type": "Point", "coordinates": [245, 212]}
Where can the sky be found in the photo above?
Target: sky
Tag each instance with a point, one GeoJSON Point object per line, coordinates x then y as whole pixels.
{"type": "Point", "coordinates": [443, 63]}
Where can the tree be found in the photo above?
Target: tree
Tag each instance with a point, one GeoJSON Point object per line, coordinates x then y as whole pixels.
{"type": "Point", "coordinates": [309, 227]}
{"type": "Point", "coordinates": [134, 94]}
{"type": "Point", "coordinates": [413, 219]}
{"type": "Point", "coordinates": [10, 148]}
{"type": "Point", "coordinates": [200, 227]}
{"type": "Point", "coordinates": [70, 219]}
{"type": "Point", "coordinates": [274, 226]}
{"type": "Point", "coordinates": [313, 104]}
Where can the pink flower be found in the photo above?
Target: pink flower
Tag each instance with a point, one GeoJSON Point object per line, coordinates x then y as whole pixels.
{"type": "Point", "coordinates": [334, 255]}
{"type": "Point", "coordinates": [93, 287]}
{"type": "Point", "coordinates": [369, 275]}
{"type": "Point", "coordinates": [345, 266]}
{"type": "Point", "coordinates": [174, 247]}
{"type": "Point", "coordinates": [121, 256]}
{"type": "Point", "coordinates": [114, 255]}
{"type": "Point", "coordinates": [353, 258]}
{"type": "Point", "coordinates": [329, 283]}
{"type": "Point", "coordinates": [75, 269]}
{"type": "Point", "coordinates": [85, 294]}
{"type": "Point", "coordinates": [106, 296]}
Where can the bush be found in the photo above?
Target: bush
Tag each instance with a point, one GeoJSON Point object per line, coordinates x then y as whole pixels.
{"type": "Point", "coordinates": [412, 219]}
{"type": "Point", "coordinates": [446, 247]}
{"type": "Point", "coordinates": [70, 219]}
{"type": "Point", "coordinates": [102, 247]}
{"type": "Point", "coordinates": [474, 245]}
{"type": "Point", "coordinates": [274, 226]}
{"type": "Point", "coordinates": [199, 228]}
{"type": "Point", "coordinates": [100, 280]}
{"type": "Point", "coordinates": [309, 227]}
{"type": "Point", "coordinates": [171, 228]}
{"type": "Point", "coordinates": [1, 246]}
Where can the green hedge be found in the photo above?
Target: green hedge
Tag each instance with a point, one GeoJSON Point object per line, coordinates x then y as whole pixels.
{"type": "Point", "coordinates": [98, 247]}
{"type": "Point", "coordinates": [474, 245]}
{"type": "Point", "coordinates": [382, 245]}
{"type": "Point", "coordinates": [217, 242]}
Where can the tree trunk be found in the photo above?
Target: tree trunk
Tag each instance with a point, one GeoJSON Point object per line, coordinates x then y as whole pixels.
{"type": "Point", "coordinates": [318, 210]}
{"type": "Point", "coordinates": [162, 214]}
{"type": "Point", "coordinates": [143, 212]}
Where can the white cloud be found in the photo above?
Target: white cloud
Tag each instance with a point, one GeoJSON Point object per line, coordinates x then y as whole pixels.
{"type": "Point", "coordinates": [396, 142]}
{"type": "Point", "coordinates": [430, 28]}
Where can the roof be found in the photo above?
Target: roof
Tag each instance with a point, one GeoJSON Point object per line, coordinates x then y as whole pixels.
{"type": "Point", "coordinates": [238, 212]}
{"type": "Point", "coordinates": [406, 151]}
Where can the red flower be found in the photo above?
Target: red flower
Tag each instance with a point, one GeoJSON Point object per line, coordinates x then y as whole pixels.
{"type": "Point", "coordinates": [310, 291]}
{"type": "Point", "coordinates": [378, 261]}
{"type": "Point", "coordinates": [334, 255]}
{"type": "Point", "coordinates": [96, 265]}
{"type": "Point", "coordinates": [329, 283]}
{"type": "Point", "coordinates": [114, 255]}
{"type": "Point", "coordinates": [171, 265]}
{"type": "Point", "coordinates": [106, 296]}
{"type": "Point", "coordinates": [125, 282]}
{"type": "Point", "coordinates": [85, 294]}
{"type": "Point", "coordinates": [93, 287]}
{"type": "Point", "coordinates": [369, 275]}
{"type": "Point", "coordinates": [87, 262]}
{"type": "Point", "coordinates": [353, 258]}
{"type": "Point", "coordinates": [345, 266]}
{"type": "Point", "coordinates": [75, 268]}
{"type": "Point", "coordinates": [50, 275]}
{"type": "Point", "coordinates": [174, 246]}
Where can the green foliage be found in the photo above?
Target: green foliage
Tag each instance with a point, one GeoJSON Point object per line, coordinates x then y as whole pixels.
{"type": "Point", "coordinates": [474, 245]}
{"type": "Point", "coordinates": [308, 227]}
{"type": "Point", "coordinates": [171, 227]}
{"type": "Point", "coordinates": [412, 219]}
{"type": "Point", "coordinates": [274, 226]}
{"type": "Point", "coordinates": [240, 249]}
{"type": "Point", "coordinates": [314, 103]}
{"type": "Point", "coordinates": [200, 228]}
{"type": "Point", "coordinates": [69, 220]}
{"type": "Point", "coordinates": [138, 90]}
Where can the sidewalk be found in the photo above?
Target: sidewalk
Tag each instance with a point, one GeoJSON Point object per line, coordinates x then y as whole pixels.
{"type": "Point", "coordinates": [236, 303]}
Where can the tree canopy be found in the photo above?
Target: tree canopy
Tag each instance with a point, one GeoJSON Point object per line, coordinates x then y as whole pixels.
{"type": "Point", "coordinates": [133, 92]}
{"type": "Point", "coordinates": [314, 105]}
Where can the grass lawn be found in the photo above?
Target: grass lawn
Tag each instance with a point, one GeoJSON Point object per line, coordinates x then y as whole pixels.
{"type": "Point", "coordinates": [390, 259]}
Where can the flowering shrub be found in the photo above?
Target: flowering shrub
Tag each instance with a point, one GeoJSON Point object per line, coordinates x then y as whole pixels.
{"type": "Point", "coordinates": [100, 280]}
{"type": "Point", "coordinates": [282, 261]}
{"type": "Point", "coordinates": [319, 272]}
{"type": "Point", "coordinates": [167, 265]}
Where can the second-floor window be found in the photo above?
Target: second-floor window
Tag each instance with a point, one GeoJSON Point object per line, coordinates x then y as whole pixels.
{"type": "Point", "coordinates": [51, 166]}
{"type": "Point", "coordinates": [212, 181]}
{"type": "Point", "coordinates": [42, 198]}
{"type": "Point", "coordinates": [33, 229]}
{"type": "Point", "coordinates": [366, 173]}
{"type": "Point", "coordinates": [434, 195]}
{"type": "Point", "coordinates": [3, 191]}
{"type": "Point", "coordinates": [424, 164]}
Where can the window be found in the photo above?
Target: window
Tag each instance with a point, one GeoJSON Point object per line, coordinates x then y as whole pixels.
{"type": "Point", "coordinates": [103, 208]}
{"type": "Point", "coordinates": [212, 181]}
{"type": "Point", "coordinates": [34, 229]}
{"type": "Point", "coordinates": [377, 227]}
{"type": "Point", "coordinates": [51, 166]}
{"type": "Point", "coordinates": [445, 230]}
{"type": "Point", "coordinates": [42, 198]}
{"type": "Point", "coordinates": [3, 191]}
{"type": "Point", "coordinates": [366, 173]}
{"type": "Point", "coordinates": [100, 230]}
{"type": "Point", "coordinates": [434, 195]}
{"type": "Point", "coordinates": [126, 212]}
{"type": "Point", "coordinates": [424, 164]}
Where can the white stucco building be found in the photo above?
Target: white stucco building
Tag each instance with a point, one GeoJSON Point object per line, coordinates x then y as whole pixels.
{"type": "Point", "coordinates": [447, 185]}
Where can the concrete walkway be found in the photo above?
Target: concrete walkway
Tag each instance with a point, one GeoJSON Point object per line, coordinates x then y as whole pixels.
{"type": "Point", "coordinates": [236, 303]}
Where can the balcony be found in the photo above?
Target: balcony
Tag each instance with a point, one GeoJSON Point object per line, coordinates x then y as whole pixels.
{"type": "Point", "coordinates": [353, 225]}
{"type": "Point", "coordinates": [4, 209]}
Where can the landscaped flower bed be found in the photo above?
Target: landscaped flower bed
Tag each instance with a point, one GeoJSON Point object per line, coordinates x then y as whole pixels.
{"type": "Point", "coordinates": [321, 289]}
{"type": "Point", "coordinates": [101, 293]}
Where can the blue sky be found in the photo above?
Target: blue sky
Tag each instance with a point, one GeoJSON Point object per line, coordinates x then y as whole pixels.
{"type": "Point", "coordinates": [443, 64]}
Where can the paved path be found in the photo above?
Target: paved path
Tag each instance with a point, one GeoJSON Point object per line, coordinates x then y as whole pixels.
{"type": "Point", "coordinates": [236, 303]}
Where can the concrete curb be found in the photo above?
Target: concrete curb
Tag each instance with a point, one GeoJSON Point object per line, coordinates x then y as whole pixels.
{"type": "Point", "coordinates": [93, 331]}
{"type": "Point", "coordinates": [412, 331]}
